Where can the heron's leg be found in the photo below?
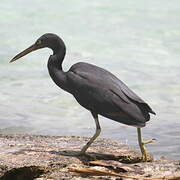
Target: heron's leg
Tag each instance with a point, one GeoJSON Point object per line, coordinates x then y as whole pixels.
{"type": "Point", "coordinates": [98, 130]}
{"type": "Point", "coordinates": [142, 145]}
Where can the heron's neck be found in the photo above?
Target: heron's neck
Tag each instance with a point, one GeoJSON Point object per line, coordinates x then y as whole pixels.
{"type": "Point", "coordinates": [58, 58]}
{"type": "Point", "coordinates": [55, 69]}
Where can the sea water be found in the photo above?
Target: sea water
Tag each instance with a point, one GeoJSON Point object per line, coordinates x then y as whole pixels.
{"type": "Point", "coordinates": [139, 41]}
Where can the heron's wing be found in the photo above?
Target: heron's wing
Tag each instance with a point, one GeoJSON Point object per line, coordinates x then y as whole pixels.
{"type": "Point", "coordinates": [104, 85]}
{"type": "Point", "coordinates": [105, 79]}
{"type": "Point", "coordinates": [131, 95]}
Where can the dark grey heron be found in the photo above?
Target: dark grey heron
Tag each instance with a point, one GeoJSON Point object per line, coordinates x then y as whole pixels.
{"type": "Point", "coordinates": [96, 89]}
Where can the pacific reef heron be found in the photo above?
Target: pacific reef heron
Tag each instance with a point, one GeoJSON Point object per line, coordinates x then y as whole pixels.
{"type": "Point", "coordinates": [96, 89]}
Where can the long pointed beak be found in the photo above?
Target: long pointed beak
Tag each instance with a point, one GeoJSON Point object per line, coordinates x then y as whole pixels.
{"type": "Point", "coordinates": [23, 53]}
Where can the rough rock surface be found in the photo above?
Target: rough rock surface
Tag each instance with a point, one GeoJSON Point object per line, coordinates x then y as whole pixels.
{"type": "Point", "coordinates": [28, 157]}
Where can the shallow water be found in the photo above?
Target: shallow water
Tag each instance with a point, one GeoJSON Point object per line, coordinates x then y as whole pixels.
{"type": "Point", "coordinates": [139, 41]}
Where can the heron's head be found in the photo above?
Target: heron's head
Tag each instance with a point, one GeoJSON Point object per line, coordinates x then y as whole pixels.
{"type": "Point", "coordinates": [48, 40]}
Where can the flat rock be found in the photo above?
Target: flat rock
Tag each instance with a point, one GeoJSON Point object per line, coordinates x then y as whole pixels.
{"type": "Point", "coordinates": [26, 157]}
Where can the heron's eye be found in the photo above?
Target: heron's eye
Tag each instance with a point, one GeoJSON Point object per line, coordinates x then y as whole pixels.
{"type": "Point", "coordinates": [39, 42]}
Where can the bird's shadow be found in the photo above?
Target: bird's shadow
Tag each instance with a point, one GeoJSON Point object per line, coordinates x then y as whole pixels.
{"type": "Point", "coordinates": [92, 156]}
{"type": "Point", "coordinates": [89, 156]}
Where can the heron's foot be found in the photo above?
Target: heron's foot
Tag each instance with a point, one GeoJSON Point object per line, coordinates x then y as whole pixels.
{"type": "Point", "coordinates": [145, 154]}
{"type": "Point", "coordinates": [149, 141]}
{"type": "Point", "coordinates": [84, 149]}
{"type": "Point", "coordinates": [88, 155]}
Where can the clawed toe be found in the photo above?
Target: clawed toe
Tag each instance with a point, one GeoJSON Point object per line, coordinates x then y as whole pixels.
{"type": "Point", "coordinates": [149, 141]}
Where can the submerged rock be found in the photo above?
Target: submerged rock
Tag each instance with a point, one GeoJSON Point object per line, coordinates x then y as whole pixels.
{"type": "Point", "coordinates": [27, 157]}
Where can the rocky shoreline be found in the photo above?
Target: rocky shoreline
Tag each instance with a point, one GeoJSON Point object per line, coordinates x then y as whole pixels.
{"type": "Point", "coordinates": [28, 157]}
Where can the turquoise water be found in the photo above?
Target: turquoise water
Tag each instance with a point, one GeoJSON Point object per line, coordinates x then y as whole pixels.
{"type": "Point", "coordinates": [139, 41]}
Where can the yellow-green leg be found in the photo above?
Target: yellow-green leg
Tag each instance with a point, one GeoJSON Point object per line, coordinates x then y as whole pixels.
{"type": "Point", "coordinates": [142, 145]}
{"type": "Point", "coordinates": [98, 130]}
